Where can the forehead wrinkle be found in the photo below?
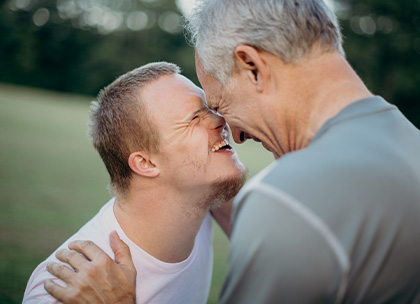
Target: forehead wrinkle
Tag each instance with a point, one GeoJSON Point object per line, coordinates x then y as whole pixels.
{"type": "Point", "coordinates": [211, 102]}
{"type": "Point", "coordinates": [195, 102]}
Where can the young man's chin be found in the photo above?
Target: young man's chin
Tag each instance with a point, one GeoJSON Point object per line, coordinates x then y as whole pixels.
{"type": "Point", "coordinates": [223, 190]}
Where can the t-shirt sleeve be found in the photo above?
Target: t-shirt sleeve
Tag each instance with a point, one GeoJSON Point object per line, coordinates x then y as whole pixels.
{"type": "Point", "coordinates": [96, 230]}
{"type": "Point", "coordinates": [278, 255]}
{"type": "Point", "coordinates": [35, 291]}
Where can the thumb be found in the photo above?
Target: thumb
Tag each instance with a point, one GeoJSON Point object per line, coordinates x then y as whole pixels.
{"type": "Point", "coordinates": [121, 250]}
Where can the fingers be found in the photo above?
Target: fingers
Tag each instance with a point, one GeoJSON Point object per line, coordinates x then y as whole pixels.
{"type": "Point", "coordinates": [55, 290]}
{"type": "Point", "coordinates": [73, 258]}
{"type": "Point", "coordinates": [121, 250]}
{"type": "Point", "coordinates": [87, 248]}
{"type": "Point", "coordinates": [60, 271]}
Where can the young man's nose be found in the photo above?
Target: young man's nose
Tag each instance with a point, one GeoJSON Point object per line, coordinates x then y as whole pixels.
{"type": "Point", "coordinates": [217, 121]}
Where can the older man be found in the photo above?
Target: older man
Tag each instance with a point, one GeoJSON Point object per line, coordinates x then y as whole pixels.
{"type": "Point", "coordinates": [335, 219]}
{"type": "Point", "coordinates": [170, 162]}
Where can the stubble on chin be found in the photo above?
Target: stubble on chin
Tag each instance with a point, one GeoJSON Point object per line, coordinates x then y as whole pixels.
{"type": "Point", "coordinates": [224, 190]}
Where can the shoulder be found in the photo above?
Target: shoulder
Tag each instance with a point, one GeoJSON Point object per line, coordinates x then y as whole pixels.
{"type": "Point", "coordinates": [35, 292]}
{"type": "Point", "coordinates": [277, 240]}
{"type": "Point", "coordinates": [263, 204]}
{"type": "Point", "coordinates": [96, 230]}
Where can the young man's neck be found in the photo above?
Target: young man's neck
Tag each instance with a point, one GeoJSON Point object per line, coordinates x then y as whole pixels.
{"type": "Point", "coordinates": [161, 223]}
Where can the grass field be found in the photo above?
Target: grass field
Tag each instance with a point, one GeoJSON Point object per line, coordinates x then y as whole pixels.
{"type": "Point", "coordinates": [52, 181]}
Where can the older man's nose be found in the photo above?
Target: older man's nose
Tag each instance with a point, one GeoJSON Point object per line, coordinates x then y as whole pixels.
{"type": "Point", "coordinates": [238, 136]}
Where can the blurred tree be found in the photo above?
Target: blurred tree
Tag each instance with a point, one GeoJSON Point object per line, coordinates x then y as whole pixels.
{"type": "Point", "coordinates": [382, 42]}
{"type": "Point", "coordinates": [82, 45]}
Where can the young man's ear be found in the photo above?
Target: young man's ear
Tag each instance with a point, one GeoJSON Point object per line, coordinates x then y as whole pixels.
{"type": "Point", "coordinates": [249, 61]}
{"type": "Point", "coordinates": [141, 164]}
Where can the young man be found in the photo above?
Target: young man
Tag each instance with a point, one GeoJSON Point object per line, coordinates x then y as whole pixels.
{"type": "Point", "coordinates": [170, 163]}
{"type": "Point", "coordinates": [335, 219]}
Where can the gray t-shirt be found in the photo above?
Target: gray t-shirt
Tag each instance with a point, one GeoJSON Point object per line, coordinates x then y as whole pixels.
{"type": "Point", "coordinates": [336, 222]}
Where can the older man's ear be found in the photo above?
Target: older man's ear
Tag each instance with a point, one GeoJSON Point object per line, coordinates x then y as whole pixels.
{"type": "Point", "coordinates": [141, 164]}
{"type": "Point", "coordinates": [251, 61]}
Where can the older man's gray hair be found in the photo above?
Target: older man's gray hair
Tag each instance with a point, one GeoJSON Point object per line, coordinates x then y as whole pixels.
{"type": "Point", "coordinates": [286, 28]}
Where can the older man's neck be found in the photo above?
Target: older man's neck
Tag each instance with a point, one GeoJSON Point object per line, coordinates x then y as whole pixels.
{"type": "Point", "coordinates": [324, 86]}
{"type": "Point", "coordinates": [160, 223]}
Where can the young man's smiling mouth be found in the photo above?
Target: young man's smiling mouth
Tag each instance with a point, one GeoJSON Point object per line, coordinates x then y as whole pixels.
{"type": "Point", "coordinates": [221, 144]}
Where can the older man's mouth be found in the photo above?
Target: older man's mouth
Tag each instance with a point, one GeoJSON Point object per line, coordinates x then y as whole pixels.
{"type": "Point", "coordinates": [223, 144]}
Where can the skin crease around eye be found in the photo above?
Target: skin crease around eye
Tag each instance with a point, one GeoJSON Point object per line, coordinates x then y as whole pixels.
{"type": "Point", "coordinates": [199, 113]}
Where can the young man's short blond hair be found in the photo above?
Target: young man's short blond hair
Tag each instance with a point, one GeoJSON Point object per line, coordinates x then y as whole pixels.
{"type": "Point", "coordinates": [120, 123]}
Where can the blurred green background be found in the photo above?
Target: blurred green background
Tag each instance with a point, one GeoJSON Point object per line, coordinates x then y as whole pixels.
{"type": "Point", "coordinates": [55, 55]}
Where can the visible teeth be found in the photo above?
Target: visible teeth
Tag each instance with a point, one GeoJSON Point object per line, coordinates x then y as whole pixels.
{"type": "Point", "coordinates": [219, 145]}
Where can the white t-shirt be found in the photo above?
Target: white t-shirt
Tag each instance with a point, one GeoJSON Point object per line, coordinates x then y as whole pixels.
{"type": "Point", "coordinates": [157, 282]}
